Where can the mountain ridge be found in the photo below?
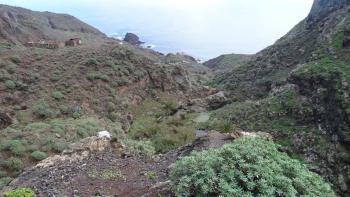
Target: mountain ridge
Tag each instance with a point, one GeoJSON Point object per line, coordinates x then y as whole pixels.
{"type": "Point", "coordinates": [20, 25]}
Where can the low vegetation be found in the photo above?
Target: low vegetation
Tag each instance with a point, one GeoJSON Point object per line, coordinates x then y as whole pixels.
{"type": "Point", "coordinates": [38, 155]}
{"type": "Point", "coordinates": [155, 122]}
{"type": "Point", "coordinates": [20, 192]}
{"type": "Point", "coordinates": [105, 174]}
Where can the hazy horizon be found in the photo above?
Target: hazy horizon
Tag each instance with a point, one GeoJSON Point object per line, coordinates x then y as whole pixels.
{"type": "Point", "coordinates": [201, 28]}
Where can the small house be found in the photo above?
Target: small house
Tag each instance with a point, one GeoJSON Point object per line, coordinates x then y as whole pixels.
{"type": "Point", "coordinates": [73, 42]}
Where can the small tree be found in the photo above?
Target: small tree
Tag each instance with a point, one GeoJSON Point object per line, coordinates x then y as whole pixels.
{"type": "Point", "coordinates": [247, 167]}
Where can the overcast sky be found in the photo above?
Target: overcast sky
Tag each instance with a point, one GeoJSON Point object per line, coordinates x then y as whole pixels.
{"type": "Point", "coordinates": [202, 28]}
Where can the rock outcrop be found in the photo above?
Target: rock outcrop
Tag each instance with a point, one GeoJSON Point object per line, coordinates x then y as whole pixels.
{"type": "Point", "coordinates": [132, 39]}
{"type": "Point", "coordinates": [213, 101]}
{"type": "Point", "coordinates": [321, 8]}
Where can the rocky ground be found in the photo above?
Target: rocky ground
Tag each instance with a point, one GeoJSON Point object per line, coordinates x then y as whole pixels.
{"type": "Point", "coordinates": [96, 167]}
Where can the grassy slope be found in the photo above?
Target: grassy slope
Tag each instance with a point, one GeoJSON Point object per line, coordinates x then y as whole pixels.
{"type": "Point", "coordinates": [56, 97]}
{"type": "Point", "coordinates": [227, 61]}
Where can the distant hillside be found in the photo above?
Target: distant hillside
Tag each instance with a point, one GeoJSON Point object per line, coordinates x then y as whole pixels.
{"type": "Point", "coordinates": [227, 61]}
{"type": "Point", "coordinates": [20, 25]}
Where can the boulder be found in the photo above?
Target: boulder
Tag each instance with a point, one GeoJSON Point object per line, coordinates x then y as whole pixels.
{"type": "Point", "coordinates": [239, 134]}
{"type": "Point", "coordinates": [216, 101]}
{"type": "Point", "coordinates": [5, 120]}
{"type": "Point", "coordinates": [104, 134]}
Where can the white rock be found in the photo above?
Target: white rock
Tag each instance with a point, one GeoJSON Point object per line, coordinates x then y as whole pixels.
{"type": "Point", "coordinates": [104, 134]}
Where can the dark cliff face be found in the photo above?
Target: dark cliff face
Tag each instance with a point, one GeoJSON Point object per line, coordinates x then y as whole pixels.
{"type": "Point", "coordinates": [322, 8]}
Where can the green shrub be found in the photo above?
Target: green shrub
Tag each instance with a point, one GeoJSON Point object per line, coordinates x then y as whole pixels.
{"type": "Point", "coordinates": [38, 155]}
{"type": "Point", "coordinates": [57, 95]}
{"type": "Point", "coordinates": [38, 127]}
{"type": "Point", "coordinates": [2, 174]}
{"type": "Point", "coordinates": [10, 84]}
{"type": "Point", "coordinates": [95, 76]}
{"type": "Point", "coordinates": [170, 106]}
{"type": "Point", "coordinates": [139, 148]}
{"type": "Point", "coordinates": [14, 163]}
{"type": "Point", "coordinates": [34, 76]}
{"type": "Point", "coordinates": [337, 40]}
{"type": "Point", "coordinates": [111, 174]}
{"type": "Point", "coordinates": [77, 112]}
{"type": "Point", "coordinates": [106, 174]}
{"type": "Point", "coordinates": [16, 147]}
{"type": "Point", "coordinates": [42, 109]}
{"type": "Point", "coordinates": [4, 75]}
{"type": "Point", "coordinates": [15, 59]}
{"type": "Point", "coordinates": [59, 146]}
{"type": "Point", "coordinates": [11, 68]}
{"type": "Point", "coordinates": [65, 109]}
{"type": "Point", "coordinates": [86, 127]}
{"type": "Point", "coordinates": [110, 106]}
{"type": "Point", "coordinates": [92, 61]}
{"type": "Point", "coordinates": [5, 181]}
{"type": "Point", "coordinates": [21, 192]}
{"type": "Point", "coordinates": [55, 77]}
{"type": "Point", "coordinates": [57, 126]}
{"type": "Point", "coordinates": [247, 167]}
{"type": "Point", "coordinates": [152, 176]}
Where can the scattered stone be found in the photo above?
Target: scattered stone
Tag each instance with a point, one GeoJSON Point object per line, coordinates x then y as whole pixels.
{"type": "Point", "coordinates": [104, 134]}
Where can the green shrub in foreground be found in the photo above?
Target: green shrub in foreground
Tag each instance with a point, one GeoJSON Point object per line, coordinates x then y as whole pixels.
{"type": "Point", "coordinates": [20, 192]}
{"type": "Point", "coordinates": [247, 167]}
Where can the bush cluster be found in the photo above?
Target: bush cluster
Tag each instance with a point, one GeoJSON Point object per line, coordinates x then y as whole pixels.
{"type": "Point", "coordinates": [247, 167]}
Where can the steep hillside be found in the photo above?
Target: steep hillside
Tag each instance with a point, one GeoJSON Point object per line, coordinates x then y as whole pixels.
{"type": "Point", "coordinates": [298, 90]}
{"type": "Point", "coordinates": [321, 34]}
{"type": "Point", "coordinates": [19, 25]}
{"type": "Point", "coordinates": [228, 61]}
{"type": "Point", "coordinates": [50, 98]}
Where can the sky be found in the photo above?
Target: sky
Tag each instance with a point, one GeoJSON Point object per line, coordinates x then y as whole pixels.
{"type": "Point", "coordinates": [201, 28]}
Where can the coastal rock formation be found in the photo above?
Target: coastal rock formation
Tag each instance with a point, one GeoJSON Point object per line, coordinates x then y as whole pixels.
{"type": "Point", "coordinates": [132, 39]}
